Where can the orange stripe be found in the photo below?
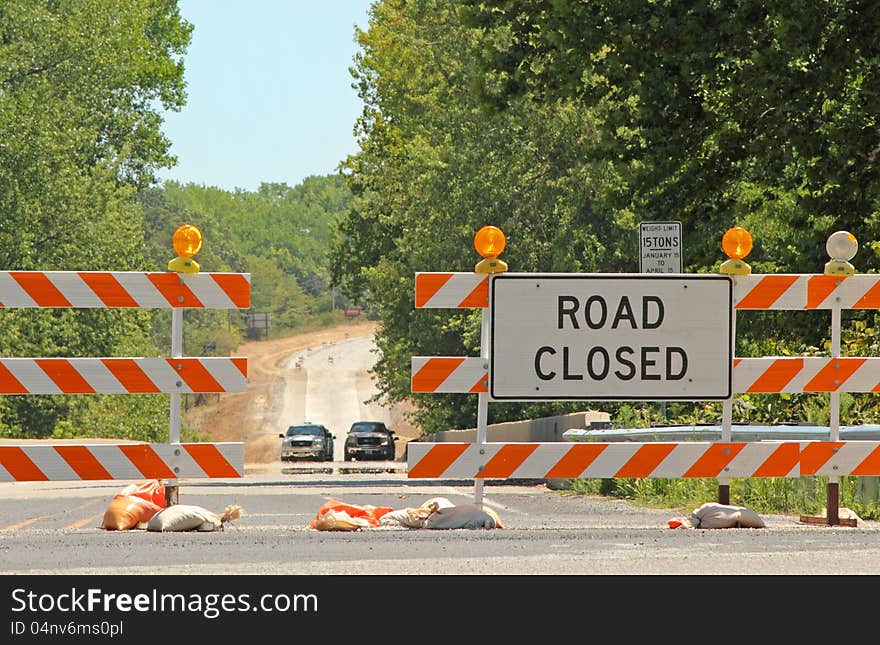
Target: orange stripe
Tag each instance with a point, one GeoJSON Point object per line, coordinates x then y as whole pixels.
{"type": "Point", "coordinates": [64, 375]}
{"type": "Point", "coordinates": [195, 375]}
{"type": "Point", "coordinates": [819, 287]}
{"type": "Point", "coordinates": [241, 364]}
{"type": "Point", "coordinates": [780, 462]}
{"type": "Point", "coordinates": [479, 297]}
{"type": "Point", "coordinates": [19, 465]}
{"type": "Point", "coordinates": [576, 460]}
{"type": "Point", "coordinates": [9, 384]}
{"type": "Point", "coordinates": [870, 466]}
{"type": "Point", "coordinates": [871, 299]}
{"type": "Point", "coordinates": [40, 288]}
{"type": "Point", "coordinates": [437, 460]}
{"type": "Point", "coordinates": [816, 454]}
{"type": "Point", "coordinates": [433, 373]}
{"type": "Point", "coordinates": [646, 459]}
{"type": "Point", "coordinates": [235, 286]}
{"type": "Point", "coordinates": [506, 460]}
{"type": "Point", "coordinates": [482, 385]}
{"type": "Point", "coordinates": [108, 289]}
{"type": "Point", "coordinates": [778, 375]}
{"type": "Point", "coordinates": [427, 284]}
{"type": "Point", "coordinates": [147, 461]}
{"type": "Point", "coordinates": [713, 461]}
{"type": "Point", "coordinates": [831, 378]}
{"type": "Point", "coordinates": [211, 460]}
{"type": "Point", "coordinates": [736, 361]}
{"type": "Point", "coordinates": [766, 292]}
{"type": "Point", "coordinates": [176, 293]}
{"type": "Point", "coordinates": [130, 375]}
{"type": "Point", "coordinates": [83, 462]}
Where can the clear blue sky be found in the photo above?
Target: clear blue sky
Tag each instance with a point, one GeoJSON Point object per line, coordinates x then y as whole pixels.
{"type": "Point", "coordinates": [269, 96]}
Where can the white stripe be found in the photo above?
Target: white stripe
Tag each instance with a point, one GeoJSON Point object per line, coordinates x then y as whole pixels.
{"type": "Point", "coordinates": [225, 373]}
{"type": "Point", "coordinates": [30, 375]}
{"type": "Point", "coordinates": [851, 290]}
{"type": "Point", "coordinates": [461, 379]}
{"type": "Point", "coordinates": [208, 291]}
{"type": "Point", "coordinates": [751, 457]}
{"type": "Point", "coordinates": [458, 287]}
{"type": "Point", "coordinates": [539, 463]}
{"type": "Point", "coordinates": [50, 462]}
{"type": "Point", "coordinates": [11, 293]}
{"type": "Point", "coordinates": [611, 460]}
{"type": "Point", "coordinates": [163, 375]}
{"type": "Point", "coordinates": [749, 370]}
{"type": "Point", "coordinates": [847, 458]}
{"type": "Point", "coordinates": [115, 462]}
{"type": "Point", "coordinates": [97, 375]}
{"type": "Point", "coordinates": [680, 460]}
{"type": "Point", "coordinates": [77, 292]}
{"type": "Point", "coordinates": [142, 290]}
{"type": "Point", "coordinates": [793, 298]}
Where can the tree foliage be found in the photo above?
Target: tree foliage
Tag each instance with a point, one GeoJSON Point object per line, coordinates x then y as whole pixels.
{"type": "Point", "coordinates": [81, 85]}
{"type": "Point", "coordinates": [566, 123]}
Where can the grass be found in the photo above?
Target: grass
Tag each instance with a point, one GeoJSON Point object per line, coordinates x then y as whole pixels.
{"type": "Point", "coordinates": [784, 496]}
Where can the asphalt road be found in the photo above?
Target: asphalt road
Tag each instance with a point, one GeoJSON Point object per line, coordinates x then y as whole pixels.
{"type": "Point", "coordinates": [331, 384]}
{"type": "Point", "coordinates": [53, 528]}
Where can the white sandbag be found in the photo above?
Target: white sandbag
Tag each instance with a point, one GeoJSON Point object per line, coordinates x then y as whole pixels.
{"type": "Point", "coordinates": [463, 516]}
{"type": "Point", "coordinates": [724, 516]}
{"type": "Point", "coordinates": [437, 502]}
{"type": "Point", "coordinates": [340, 521]}
{"type": "Point", "coordinates": [413, 518]}
{"type": "Point", "coordinates": [184, 517]}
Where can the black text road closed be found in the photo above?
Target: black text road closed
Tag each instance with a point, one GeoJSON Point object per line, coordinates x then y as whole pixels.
{"type": "Point", "coordinates": [610, 337]}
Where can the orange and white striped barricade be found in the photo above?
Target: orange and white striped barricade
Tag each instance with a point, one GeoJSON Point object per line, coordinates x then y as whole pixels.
{"type": "Point", "coordinates": [173, 375]}
{"type": "Point", "coordinates": [671, 460]}
{"type": "Point", "coordinates": [86, 462]}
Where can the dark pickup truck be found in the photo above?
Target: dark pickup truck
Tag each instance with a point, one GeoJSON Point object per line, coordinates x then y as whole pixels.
{"type": "Point", "coordinates": [369, 440]}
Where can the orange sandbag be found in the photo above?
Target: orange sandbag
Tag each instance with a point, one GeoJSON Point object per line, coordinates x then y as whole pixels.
{"type": "Point", "coordinates": [371, 514]}
{"type": "Point", "coordinates": [151, 490]}
{"type": "Point", "coordinates": [128, 512]}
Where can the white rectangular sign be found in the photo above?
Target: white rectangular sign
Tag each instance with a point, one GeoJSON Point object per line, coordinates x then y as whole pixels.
{"type": "Point", "coordinates": [660, 247]}
{"type": "Point", "coordinates": [610, 337]}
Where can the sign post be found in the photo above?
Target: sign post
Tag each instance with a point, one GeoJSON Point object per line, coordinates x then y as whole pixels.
{"type": "Point", "coordinates": [660, 247]}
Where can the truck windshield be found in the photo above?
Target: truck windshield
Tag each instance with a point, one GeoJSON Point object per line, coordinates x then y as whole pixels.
{"type": "Point", "coordinates": [367, 426]}
{"type": "Point", "coordinates": [312, 430]}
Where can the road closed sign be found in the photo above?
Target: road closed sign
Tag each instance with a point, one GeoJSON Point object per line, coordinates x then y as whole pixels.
{"type": "Point", "coordinates": [610, 337]}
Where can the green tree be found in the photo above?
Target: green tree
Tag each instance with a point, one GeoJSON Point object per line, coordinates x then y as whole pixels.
{"type": "Point", "coordinates": [82, 83]}
{"type": "Point", "coordinates": [434, 167]}
{"type": "Point", "coordinates": [759, 113]}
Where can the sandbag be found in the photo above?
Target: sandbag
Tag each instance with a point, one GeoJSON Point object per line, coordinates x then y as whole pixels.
{"type": "Point", "coordinates": [151, 490]}
{"type": "Point", "coordinates": [415, 518]}
{"type": "Point", "coordinates": [370, 514]}
{"type": "Point", "coordinates": [340, 521]}
{"type": "Point", "coordinates": [185, 517]}
{"type": "Point", "coordinates": [713, 515]}
{"type": "Point", "coordinates": [128, 512]}
{"type": "Point", "coordinates": [463, 516]}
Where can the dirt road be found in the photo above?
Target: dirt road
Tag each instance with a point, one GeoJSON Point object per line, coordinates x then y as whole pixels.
{"type": "Point", "coordinates": [322, 376]}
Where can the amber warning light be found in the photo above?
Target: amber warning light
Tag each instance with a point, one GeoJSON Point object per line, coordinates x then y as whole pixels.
{"type": "Point", "coordinates": [489, 243]}
{"type": "Point", "coordinates": [187, 241]}
{"type": "Point", "coordinates": [736, 244]}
